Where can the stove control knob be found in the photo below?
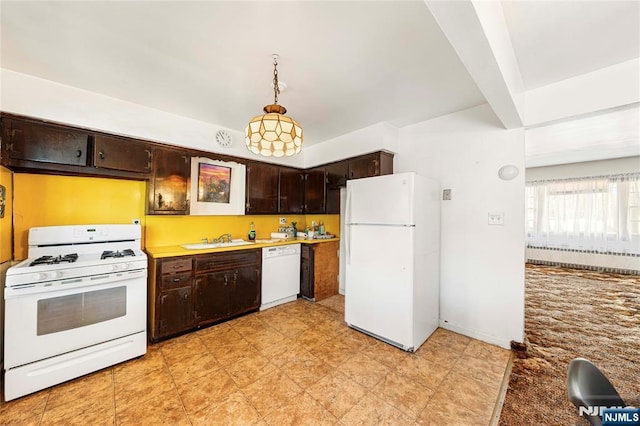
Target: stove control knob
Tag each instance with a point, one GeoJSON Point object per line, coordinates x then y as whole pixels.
{"type": "Point", "coordinates": [39, 276]}
{"type": "Point", "coordinates": [56, 274]}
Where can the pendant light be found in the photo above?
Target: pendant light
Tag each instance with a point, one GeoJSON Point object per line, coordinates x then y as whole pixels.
{"type": "Point", "coordinates": [274, 134]}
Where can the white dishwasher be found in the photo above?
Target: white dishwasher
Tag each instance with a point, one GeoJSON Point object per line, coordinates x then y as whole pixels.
{"type": "Point", "coordinates": [280, 275]}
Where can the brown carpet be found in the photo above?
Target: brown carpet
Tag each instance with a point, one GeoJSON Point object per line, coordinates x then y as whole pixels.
{"type": "Point", "coordinates": [573, 313]}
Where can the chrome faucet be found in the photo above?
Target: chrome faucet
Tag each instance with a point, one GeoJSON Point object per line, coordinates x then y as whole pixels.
{"type": "Point", "coordinates": [221, 238]}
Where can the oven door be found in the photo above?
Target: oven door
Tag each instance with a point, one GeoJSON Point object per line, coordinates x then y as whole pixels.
{"type": "Point", "coordinates": [45, 321]}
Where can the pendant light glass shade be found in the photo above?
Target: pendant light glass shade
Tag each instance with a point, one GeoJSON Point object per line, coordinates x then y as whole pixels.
{"type": "Point", "coordinates": [273, 133]}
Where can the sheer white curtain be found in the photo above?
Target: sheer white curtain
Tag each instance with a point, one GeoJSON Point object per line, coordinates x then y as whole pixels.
{"type": "Point", "coordinates": [599, 214]}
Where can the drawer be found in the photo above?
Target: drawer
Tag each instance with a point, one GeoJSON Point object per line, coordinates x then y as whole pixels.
{"type": "Point", "coordinates": [175, 280]}
{"type": "Point", "coordinates": [177, 265]}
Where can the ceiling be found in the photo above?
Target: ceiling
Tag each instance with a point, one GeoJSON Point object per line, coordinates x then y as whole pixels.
{"type": "Point", "coordinates": [347, 65]}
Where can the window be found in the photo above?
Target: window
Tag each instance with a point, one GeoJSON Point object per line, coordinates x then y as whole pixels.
{"type": "Point", "coordinates": [599, 214]}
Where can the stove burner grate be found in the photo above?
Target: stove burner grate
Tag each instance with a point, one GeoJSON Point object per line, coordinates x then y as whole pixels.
{"type": "Point", "coordinates": [53, 260]}
{"type": "Point", "coordinates": [124, 253]}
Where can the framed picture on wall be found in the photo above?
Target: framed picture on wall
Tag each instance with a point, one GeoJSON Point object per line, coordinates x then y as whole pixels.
{"type": "Point", "coordinates": [214, 183]}
{"type": "Point", "coordinates": [217, 187]}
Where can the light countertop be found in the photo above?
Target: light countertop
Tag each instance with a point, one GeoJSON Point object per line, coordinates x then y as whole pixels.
{"type": "Point", "coordinates": [176, 250]}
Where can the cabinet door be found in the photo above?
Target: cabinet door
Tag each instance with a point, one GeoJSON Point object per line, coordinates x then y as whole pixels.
{"type": "Point", "coordinates": [306, 272]}
{"type": "Point", "coordinates": [26, 141]}
{"type": "Point", "coordinates": [376, 164]}
{"type": "Point", "coordinates": [261, 189]}
{"type": "Point", "coordinates": [175, 311]}
{"type": "Point", "coordinates": [337, 174]}
{"type": "Point", "coordinates": [315, 190]}
{"type": "Point", "coordinates": [211, 301]}
{"type": "Point", "coordinates": [365, 166]}
{"type": "Point", "coordinates": [244, 291]}
{"type": "Point", "coordinates": [169, 184]}
{"type": "Point", "coordinates": [122, 154]}
{"type": "Point", "coordinates": [291, 193]}
{"type": "Point", "coordinates": [325, 269]}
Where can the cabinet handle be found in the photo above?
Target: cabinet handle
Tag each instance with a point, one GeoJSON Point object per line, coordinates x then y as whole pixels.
{"type": "Point", "coordinates": [235, 277]}
{"type": "Point", "coordinates": [176, 280]}
{"type": "Point", "coordinates": [226, 280]}
{"type": "Point", "coordinates": [376, 165]}
{"type": "Point", "coordinates": [79, 153]}
{"type": "Point", "coordinates": [186, 296]}
{"type": "Point", "coordinates": [186, 160]}
{"type": "Point", "coordinates": [101, 155]}
{"type": "Point", "coordinates": [176, 266]}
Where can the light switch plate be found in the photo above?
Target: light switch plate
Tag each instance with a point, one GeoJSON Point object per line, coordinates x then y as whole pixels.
{"type": "Point", "coordinates": [446, 194]}
{"type": "Point", "coordinates": [283, 221]}
{"type": "Point", "coordinates": [496, 218]}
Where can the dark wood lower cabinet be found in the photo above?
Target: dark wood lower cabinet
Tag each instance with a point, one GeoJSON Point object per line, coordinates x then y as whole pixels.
{"type": "Point", "coordinates": [319, 270]}
{"type": "Point", "coordinates": [188, 292]}
{"type": "Point", "coordinates": [174, 311]}
{"type": "Point", "coordinates": [211, 297]}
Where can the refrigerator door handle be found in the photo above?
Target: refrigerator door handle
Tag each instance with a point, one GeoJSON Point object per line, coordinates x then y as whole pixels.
{"type": "Point", "coordinates": [347, 220]}
{"type": "Point", "coordinates": [347, 243]}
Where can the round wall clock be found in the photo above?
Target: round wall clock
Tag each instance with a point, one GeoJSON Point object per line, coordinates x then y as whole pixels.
{"type": "Point", "coordinates": [223, 138]}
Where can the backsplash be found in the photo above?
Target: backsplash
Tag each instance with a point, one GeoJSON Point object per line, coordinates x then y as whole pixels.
{"type": "Point", "coordinates": [48, 200]}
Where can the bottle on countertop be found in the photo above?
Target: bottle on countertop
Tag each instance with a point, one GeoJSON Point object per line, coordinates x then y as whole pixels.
{"type": "Point", "coordinates": [321, 228]}
{"type": "Point", "coordinates": [252, 232]}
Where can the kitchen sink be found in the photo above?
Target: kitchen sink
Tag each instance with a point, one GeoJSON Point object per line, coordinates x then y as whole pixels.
{"type": "Point", "coordinates": [201, 246]}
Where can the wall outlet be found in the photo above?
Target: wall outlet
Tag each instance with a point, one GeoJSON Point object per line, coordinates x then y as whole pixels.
{"type": "Point", "coordinates": [283, 221]}
{"type": "Point", "coordinates": [496, 218]}
{"type": "Point", "coordinates": [446, 194]}
{"type": "Point", "coordinates": [136, 221]}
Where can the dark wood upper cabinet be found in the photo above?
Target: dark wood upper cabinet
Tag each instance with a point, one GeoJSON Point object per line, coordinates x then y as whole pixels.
{"type": "Point", "coordinates": [26, 143]}
{"type": "Point", "coordinates": [337, 175]}
{"type": "Point", "coordinates": [32, 145]}
{"type": "Point", "coordinates": [169, 183]}
{"type": "Point", "coordinates": [291, 191]}
{"type": "Point", "coordinates": [376, 164]}
{"type": "Point", "coordinates": [122, 154]}
{"type": "Point", "coordinates": [261, 188]}
{"type": "Point", "coordinates": [315, 190]}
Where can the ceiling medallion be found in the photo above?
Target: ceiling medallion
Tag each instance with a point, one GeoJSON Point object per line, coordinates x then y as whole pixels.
{"type": "Point", "coordinates": [274, 134]}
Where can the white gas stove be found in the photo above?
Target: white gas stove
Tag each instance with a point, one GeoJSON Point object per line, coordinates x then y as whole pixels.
{"type": "Point", "coordinates": [59, 255]}
{"type": "Point", "coordinates": [75, 305]}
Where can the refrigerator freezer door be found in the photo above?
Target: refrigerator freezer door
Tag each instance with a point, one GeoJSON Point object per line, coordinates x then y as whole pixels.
{"type": "Point", "coordinates": [379, 281]}
{"type": "Point", "coordinates": [381, 200]}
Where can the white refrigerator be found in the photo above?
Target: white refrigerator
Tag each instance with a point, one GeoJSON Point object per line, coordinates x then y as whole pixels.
{"type": "Point", "coordinates": [392, 239]}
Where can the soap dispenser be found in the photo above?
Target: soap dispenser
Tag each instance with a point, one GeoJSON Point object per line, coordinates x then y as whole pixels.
{"type": "Point", "coordinates": [252, 232]}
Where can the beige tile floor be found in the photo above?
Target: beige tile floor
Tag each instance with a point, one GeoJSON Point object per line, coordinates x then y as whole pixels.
{"type": "Point", "coordinates": [293, 364]}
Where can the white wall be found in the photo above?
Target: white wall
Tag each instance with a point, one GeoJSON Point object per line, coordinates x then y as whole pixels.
{"type": "Point", "coordinates": [378, 137]}
{"type": "Point", "coordinates": [482, 266]}
{"type": "Point", "coordinates": [31, 96]}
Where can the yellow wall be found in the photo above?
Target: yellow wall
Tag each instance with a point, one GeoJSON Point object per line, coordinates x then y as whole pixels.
{"type": "Point", "coordinates": [47, 200]}
{"type": "Point", "coordinates": [5, 222]}
{"type": "Point", "coordinates": [175, 230]}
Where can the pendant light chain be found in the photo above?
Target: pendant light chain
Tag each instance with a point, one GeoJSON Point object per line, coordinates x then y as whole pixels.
{"type": "Point", "coordinates": [273, 134]}
{"type": "Point", "coordinates": [276, 88]}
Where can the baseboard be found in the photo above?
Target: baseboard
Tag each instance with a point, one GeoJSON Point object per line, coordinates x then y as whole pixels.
{"type": "Point", "coordinates": [474, 334]}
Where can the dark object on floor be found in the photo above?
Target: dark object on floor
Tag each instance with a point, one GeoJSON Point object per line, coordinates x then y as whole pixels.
{"type": "Point", "coordinates": [588, 387]}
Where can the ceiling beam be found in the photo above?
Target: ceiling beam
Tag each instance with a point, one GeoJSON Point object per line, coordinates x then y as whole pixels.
{"type": "Point", "coordinates": [478, 33]}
